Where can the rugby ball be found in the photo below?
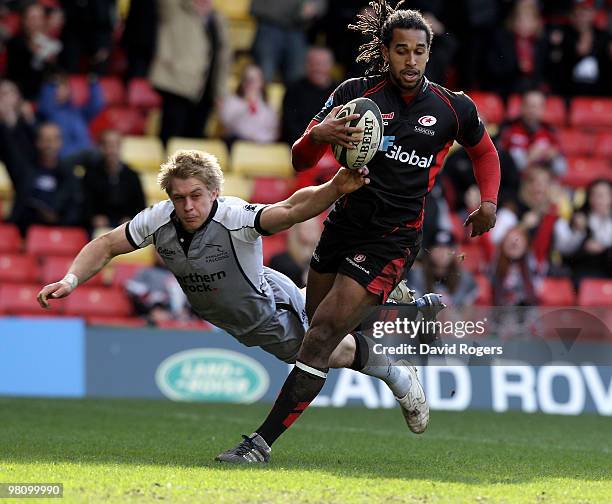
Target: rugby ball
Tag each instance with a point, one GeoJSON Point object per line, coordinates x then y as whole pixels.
{"type": "Point", "coordinates": [370, 119]}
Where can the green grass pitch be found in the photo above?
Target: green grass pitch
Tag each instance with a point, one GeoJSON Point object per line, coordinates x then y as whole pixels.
{"type": "Point", "coordinates": [158, 451]}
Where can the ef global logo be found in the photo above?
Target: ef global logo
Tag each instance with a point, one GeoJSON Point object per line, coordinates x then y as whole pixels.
{"type": "Point", "coordinates": [411, 158]}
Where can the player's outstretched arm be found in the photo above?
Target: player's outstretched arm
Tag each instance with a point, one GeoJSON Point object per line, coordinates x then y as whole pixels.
{"type": "Point", "coordinates": [311, 201]}
{"type": "Point", "coordinates": [91, 259]}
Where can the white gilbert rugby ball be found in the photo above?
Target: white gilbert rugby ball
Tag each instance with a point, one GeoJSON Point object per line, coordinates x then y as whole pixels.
{"type": "Point", "coordinates": [371, 121]}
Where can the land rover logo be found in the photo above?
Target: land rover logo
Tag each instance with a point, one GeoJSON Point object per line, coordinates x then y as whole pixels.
{"type": "Point", "coordinates": [212, 375]}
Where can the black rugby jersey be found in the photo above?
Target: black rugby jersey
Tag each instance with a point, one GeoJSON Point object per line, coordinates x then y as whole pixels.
{"type": "Point", "coordinates": [417, 137]}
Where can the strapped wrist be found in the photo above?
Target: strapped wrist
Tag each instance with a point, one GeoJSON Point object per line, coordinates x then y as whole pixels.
{"type": "Point", "coordinates": [72, 280]}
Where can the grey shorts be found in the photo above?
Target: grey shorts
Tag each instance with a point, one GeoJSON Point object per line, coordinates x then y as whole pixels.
{"type": "Point", "coordinates": [291, 331]}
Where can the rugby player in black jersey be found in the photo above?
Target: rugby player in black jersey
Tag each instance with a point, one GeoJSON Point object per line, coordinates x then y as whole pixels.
{"type": "Point", "coordinates": [373, 235]}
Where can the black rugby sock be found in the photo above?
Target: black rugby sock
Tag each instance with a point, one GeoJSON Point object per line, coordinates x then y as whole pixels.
{"type": "Point", "coordinates": [300, 388]}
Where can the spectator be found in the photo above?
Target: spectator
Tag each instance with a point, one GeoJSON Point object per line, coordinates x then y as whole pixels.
{"type": "Point", "coordinates": [459, 181]}
{"type": "Point", "coordinates": [46, 190]}
{"type": "Point", "coordinates": [535, 211]}
{"type": "Point", "coordinates": [191, 64]}
{"type": "Point", "coordinates": [31, 53]}
{"type": "Point", "coordinates": [581, 55]}
{"type": "Point", "coordinates": [138, 39]}
{"type": "Point", "coordinates": [304, 97]}
{"type": "Point", "coordinates": [88, 31]}
{"type": "Point", "coordinates": [301, 243]}
{"type": "Point", "coordinates": [514, 277]}
{"type": "Point", "coordinates": [280, 41]}
{"type": "Point", "coordinates": [157, 296]}
{"type": "Point", "coordinates": [586, 241]}
{"type": "Point", "coordinates": [56, 105]}
{"type": "Point", "coordinates": [529, 139]}
{"type": "Point", "coordinates": [17, 120]}
{"type": "Point", "coordinates": [440, 271]}
{"type": "Point", "coordinates": [113, 193]}
{"type": "Point", "coordinates": [445, 44]}
{"type": "Point", "coordinates": [247, 115]}
{"type": "Point", "coordinates": [517, 55]}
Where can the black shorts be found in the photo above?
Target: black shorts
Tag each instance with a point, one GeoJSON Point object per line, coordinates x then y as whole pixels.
{"type": "Point", "coordinates": [378, 263]}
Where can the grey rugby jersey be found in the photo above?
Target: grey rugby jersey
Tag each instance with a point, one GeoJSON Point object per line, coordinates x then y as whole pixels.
{"type": "Point", "coordinates": [222, 274]}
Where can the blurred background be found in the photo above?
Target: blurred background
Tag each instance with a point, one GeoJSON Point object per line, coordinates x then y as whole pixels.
{"type": "Point", "coordinates": [94, 94]}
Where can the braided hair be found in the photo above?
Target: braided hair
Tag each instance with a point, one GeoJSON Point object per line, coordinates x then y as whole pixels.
{"type": "Point", "coordinates": [378, 22]}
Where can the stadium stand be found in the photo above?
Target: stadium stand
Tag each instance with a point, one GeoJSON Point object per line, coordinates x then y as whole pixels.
{"type": "Point", "coordinates": [57, 241]}
{"type": "Point", "coordinates": [556, 292]}
{"type": "Point", "coordinates": [113, 90]}
{"type": "Point", "coordinates": [555, 113]}
{"type": "Point", "coordinates": [237, 185]}
{"type": "Point", "coordinates": [89, 301]}
{"type": "Point", "coordinates": [140, 94]}
{"type": "Point", "coordinates": [17, 268]}
{"type": "Point", "coordinates": [582, 171]}
{"type": "Point", "coordinates": [215, 147]}
{"type": "Point", "coordinates": [490, 106]}
{"type": "Point", "coordinates": [142, 153]}
{"type": "Point", "coordinates": [595, 292]}
{"type": "Point", "coordinates": [591, 113]}
{"type": "Point", "coordinates": [271, 189]}
{"type": "Point", "coordinates": [53, 268]}
{"type": "Point", "coordinates": [10, 239]}
{"type": "Point", "coordinates": [129, 121]}
{"type": "Point", "coordinates": [262, 160]}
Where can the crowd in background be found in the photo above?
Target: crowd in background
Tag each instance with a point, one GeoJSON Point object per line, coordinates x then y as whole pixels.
{"type": "Point", "coordinates": [61, 175]}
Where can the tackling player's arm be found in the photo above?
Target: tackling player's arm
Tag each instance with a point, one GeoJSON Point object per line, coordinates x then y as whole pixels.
{"type": "Point", "coordinates": [91, 259]}
{"type": "Point", "coordinates": [311, 201]}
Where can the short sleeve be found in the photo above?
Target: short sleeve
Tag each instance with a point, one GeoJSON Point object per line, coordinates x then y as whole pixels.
{"type": "Point", "coordinates": [140, 230]}
{"type": "Point", "coordinates": [242, 220]}
{"type": "Point", "coordinates": [471, 127]}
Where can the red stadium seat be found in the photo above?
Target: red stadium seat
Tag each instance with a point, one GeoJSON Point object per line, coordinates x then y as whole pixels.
{"type": "Point", "coordinates": [582, 171]}
{"type": "Point", "coordinates": [98, 302]}
{"type": "Point", "coordinates": [555, 113]}
{"type": "Point", "coordinates": [18, 268]}
{"type": "Point", "coordinates": [556, 292]}
{"type": "Point", "coordinates": [122, 272]}
{"type": "Point", "coordinates": [485, 292]}
{"type": "Point", "coordinates": [575, 142]}
{"type": "Point", "coordinates": [57, 241]}
{"type": "Point", "coordinates": [472, 258]}
{"type": "Point", "coordinates": [191, 325]}
{"type": "Point", "coordinates": [79, 89]}
{"type": "Point", "coordinates": [270, 189]}
{"type": "Point", "coordinates": [54, 268]}
{"type": "Point", "coordinates": [10, 240]}
{"type": "Point", "coordinates": [595, 292]}
{"type": "Point", "coordinates": [113, 91]}
{"type": "Point", "coordinates": [20, 299]}
{"type": "Point", "coordinates": [117, 321]}
{"type": "Point", "coordinates": [273, 245]}
{"type": "Point", "coordinates": [142, 95]}
{"type": "Point", "coordinates": [128, 121]}
{"type": "Point", "coordinates": [603, 145]}
{"type": "Point", "coordinates": [591, 113]}
{"type": "Point", "coordinates": [490, 106]}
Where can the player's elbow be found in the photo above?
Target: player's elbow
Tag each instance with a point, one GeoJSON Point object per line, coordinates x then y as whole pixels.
{"type": "Point", "coordinates": [297, 161]}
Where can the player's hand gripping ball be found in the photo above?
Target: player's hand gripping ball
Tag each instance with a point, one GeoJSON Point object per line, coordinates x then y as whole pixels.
{"type": "Point", "coordinates": [370, 120]}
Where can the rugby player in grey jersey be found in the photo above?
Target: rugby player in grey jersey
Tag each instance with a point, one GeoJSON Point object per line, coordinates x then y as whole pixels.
{"type": "Point", "coordinates": [213, 246]}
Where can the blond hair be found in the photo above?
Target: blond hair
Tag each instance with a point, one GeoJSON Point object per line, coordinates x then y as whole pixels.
{"type": "Point", "coordinates": [184, 164]}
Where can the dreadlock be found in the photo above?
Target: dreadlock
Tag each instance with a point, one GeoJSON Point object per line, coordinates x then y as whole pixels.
{"type": "Point", "coordinates": [378, 23]}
